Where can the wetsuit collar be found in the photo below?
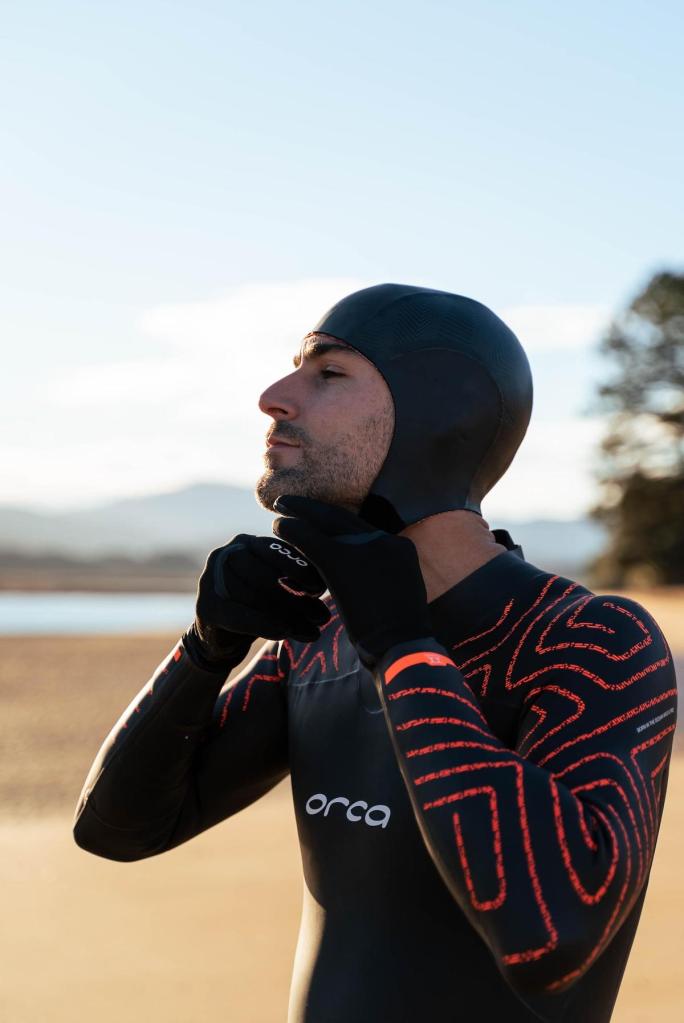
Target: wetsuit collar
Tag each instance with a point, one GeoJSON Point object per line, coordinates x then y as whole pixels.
{"type": "Point", "coordinates": [482, 595]}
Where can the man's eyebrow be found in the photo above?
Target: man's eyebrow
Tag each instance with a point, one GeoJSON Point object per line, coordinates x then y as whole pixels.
{"type": "Point", "coordinates": [317, 349]}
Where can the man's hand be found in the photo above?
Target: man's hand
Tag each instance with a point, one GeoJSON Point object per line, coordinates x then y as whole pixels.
{"type": "Point", "coordinates": [253, 587]}
{"type": "Point", "coordinates": [374, 576]}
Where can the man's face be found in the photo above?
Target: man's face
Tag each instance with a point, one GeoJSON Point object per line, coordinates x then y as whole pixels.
{"type": "Point", "coordinates": [334, 417]}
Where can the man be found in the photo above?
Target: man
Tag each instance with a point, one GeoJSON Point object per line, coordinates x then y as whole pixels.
{"type": "Point", "coordinates": [478, 749]}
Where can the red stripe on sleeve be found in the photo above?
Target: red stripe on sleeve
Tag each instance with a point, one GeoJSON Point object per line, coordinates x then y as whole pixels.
{"type": "Point", "coordinates": [435, 660]}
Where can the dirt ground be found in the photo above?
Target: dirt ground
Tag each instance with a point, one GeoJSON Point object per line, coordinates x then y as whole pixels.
{"type": "Point", "coordinates": [207, 930]}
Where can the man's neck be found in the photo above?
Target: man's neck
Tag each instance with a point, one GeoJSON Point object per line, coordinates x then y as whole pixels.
{"type": "Point", "coordinates": [451, 546]}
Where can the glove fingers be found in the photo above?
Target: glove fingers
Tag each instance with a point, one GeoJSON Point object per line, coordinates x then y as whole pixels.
{"type": "Point", "coordinates": [288, 564]}
{"type": "Point", "coordinates": [257, 586]}
{"type": "Point", "coordinates": [260, 562]}
{"type": "Point", "coordinates": [300, 612]}
{"type": "Point", "coordinates": [299, 609]}
{"type": "Point", "coordinates": [303, 536]}
{"type": "Point", "coordinates": [234, 565]}
{"type": "Point", "coordinates": [309, 609]}
{"type": "Point", "coordinates": [239, 576]}
{"type": "Point", "coordinates": [261, 592]}
{"type": "Point", "coordinates": [328, 518]}
{"type": "Point", "coordinates": [247, 620]}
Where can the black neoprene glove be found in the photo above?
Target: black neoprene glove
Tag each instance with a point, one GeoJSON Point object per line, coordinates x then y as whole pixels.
{"type": "Point", "coordinates": [253, 587]}
{"type": "Point", "coordinates": [374, 576]}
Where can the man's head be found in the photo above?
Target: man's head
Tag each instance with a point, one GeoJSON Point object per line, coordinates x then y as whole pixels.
{"type": "Point", "coordinates": [460, 386]}
{"type": "Point", "coordinates": [334, 416]}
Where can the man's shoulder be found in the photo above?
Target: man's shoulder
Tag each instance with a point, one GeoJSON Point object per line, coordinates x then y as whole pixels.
{"type": "Point", "coordinates": [617, 615]}
{"type": "Point", "coordinates": [611, 640]}
{"type": "Point", "coordinates": [612, 613]}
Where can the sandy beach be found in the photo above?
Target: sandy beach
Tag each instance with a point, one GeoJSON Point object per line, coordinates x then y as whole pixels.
{"type": "Point", "coordinates": [207, 930]}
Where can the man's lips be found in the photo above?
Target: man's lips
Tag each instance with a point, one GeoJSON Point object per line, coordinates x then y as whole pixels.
{"type": "Point", "coordinates": [276, 442]}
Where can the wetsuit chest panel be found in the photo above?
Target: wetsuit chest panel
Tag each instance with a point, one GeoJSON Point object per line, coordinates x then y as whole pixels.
{"type": "Point", "coordinates": [373, 893]}
{"type": "Point", "coordinates": [353, 812]}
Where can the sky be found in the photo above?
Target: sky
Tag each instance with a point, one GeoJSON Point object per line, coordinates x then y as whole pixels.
{"type": "Point", "coordinates": [186, 188]}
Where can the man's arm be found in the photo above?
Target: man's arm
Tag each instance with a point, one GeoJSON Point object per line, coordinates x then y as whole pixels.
{"type": "Point", "coordinates": [187, 753]}
{"type": "Point", "coordinates": [184, 755]}
{"type": "Point", "coordinates": [545, 847]}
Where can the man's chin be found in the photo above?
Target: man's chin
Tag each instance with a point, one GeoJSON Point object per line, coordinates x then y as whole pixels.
{"type": "Point", "coordinates": [265, 498]}
{"type": "Point", "coordinates": [275, 483]}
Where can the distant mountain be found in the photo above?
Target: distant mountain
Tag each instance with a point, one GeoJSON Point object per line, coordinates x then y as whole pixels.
{"type": "Point", "coordinates": [197, 518]}
{"type": "Point", "coordinates": [194, 519]}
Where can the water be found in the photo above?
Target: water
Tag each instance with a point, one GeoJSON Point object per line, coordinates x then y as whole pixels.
{"type": "Point", "coordinates": [83, 612]}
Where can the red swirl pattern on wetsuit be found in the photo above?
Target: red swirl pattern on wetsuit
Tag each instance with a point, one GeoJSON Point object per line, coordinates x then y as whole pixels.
{"type": "Point", "coordinates": [545, 842]}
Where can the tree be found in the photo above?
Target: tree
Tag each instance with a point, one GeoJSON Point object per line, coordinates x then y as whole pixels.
{"type": "Point", "coordinates": [641, 468]}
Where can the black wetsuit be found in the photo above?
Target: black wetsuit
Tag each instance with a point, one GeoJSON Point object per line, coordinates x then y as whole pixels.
{"type": "Point", "coordinates": [476, 842]}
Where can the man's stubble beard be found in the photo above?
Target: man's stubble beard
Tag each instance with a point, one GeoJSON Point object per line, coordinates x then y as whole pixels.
{"type": "Point", "coordinates": [340, 473]}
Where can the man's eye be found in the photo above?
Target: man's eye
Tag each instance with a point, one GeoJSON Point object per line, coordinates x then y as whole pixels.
{"type": "Point", "coordinates": [328, 373]}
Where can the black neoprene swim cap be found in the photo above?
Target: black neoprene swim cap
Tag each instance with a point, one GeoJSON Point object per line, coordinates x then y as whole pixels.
{"type": "Point", "coordinates": [462, 390]}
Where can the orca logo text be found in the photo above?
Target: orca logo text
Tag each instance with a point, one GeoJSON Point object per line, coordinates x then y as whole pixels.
{"type": "Point", "coordinates": [288, 554]}
{"type": "Point", "coordinates": [374, 816]}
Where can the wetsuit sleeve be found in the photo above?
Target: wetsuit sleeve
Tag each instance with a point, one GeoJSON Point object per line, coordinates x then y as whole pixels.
{"type": "Point", "coordinates": [189, 751]}
{"type": "Point", "coordinates": [546, 846]}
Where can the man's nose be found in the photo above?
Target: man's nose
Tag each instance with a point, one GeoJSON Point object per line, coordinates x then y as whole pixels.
{"type": "Point", "coordinates": [278, 400]}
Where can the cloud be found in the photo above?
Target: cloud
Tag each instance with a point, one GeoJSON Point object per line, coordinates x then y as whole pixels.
{"type": "Point", "coordinates": [133, 382]}
{"type": "Point", "coordinates": [262, 317]}
{"type": "Point", "coordinates": [217, 354]}
{"type": "Point", "coordinates": [542, 328]}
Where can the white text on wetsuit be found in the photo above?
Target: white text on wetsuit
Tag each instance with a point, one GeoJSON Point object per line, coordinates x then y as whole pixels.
{"type": "Point", "coordinates": [319, 801]}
